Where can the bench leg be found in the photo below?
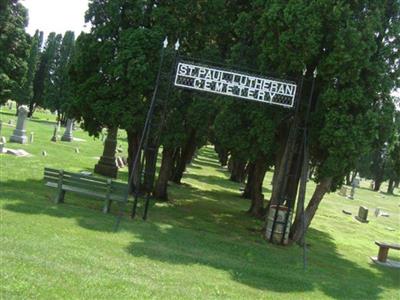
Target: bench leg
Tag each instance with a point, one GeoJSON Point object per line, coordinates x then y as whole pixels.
{"type": "Point", "coordinates": [60, 197]}
{"type": "Point", "coordinates": [107, 206]}
{"type": "Point", "coordinates": [382, 254]}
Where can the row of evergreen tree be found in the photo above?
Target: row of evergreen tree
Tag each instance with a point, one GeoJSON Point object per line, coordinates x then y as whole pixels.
{"type": "Point", "coordinates": [110, 79]}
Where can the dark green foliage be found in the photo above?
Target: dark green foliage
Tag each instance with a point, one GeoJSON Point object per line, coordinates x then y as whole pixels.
{"type": "Point", "coordinates": [24, 91]}
{"type": "Point", "coordinates": [14, 47]}
{"type": "Point", "coordinates": [58, 87]}
{"type": "Point", "coordinates": [42, 80]}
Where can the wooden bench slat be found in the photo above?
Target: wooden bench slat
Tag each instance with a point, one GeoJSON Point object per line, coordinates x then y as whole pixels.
{"type": "Point", "coordinates": [388, 245]}
{"type": "Point", "coordinates": [85, 185]}
{"type": "Point", "coordinates": [78, 190]}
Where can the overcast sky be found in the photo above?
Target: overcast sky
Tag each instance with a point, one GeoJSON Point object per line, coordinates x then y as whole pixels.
{"type": "Point", "coordinates": [56, 15]}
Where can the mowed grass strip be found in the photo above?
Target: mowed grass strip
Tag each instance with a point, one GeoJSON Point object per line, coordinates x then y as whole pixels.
{"type": "Point", "coordinates": [201, 245]}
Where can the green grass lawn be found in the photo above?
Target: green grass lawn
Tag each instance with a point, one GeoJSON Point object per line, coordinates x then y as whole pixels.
{"type": "Point", "coordinates": [201, 245]}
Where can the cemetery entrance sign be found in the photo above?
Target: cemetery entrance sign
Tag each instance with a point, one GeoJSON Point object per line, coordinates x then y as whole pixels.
{"type": "Point", "coordinates": [235, 84]}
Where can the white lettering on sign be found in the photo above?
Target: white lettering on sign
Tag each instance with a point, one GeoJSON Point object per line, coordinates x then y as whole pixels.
{"type": "Point", "coordinates": [235, 84]}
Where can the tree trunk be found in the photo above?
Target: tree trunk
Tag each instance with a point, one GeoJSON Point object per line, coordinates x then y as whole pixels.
{"type": "Point", "coordinates": [257, 198]}
{"type": "Point", "coordinates": [390, 186]}
{"type": "Point", "coordinates": [320, 190]}
{"type": "Point", "coordinates": [31, 109]}
{"type": "Point", "coordinates": [396, 184]}
{"type": "Point", "coordinates": [167, 163]}
{"type": "Point", "coordinates": [238, 171]}
{"type": "Point", "coordinates": [377, 184]}
{"type": "Point", "coordinates": [133, 148]}
{"type": "Point", "coordinates": [249, 188]}
{"type": "Point", "coordinates": [348, 178]}
{"type": "Point", "coordinates": [186, 154]}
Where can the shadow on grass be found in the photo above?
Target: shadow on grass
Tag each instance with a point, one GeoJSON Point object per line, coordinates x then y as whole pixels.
{"type": "Point", "coordinates": [209, 228]}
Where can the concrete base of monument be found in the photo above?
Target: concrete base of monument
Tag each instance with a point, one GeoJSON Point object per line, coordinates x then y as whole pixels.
{"type": "Point", "coordinates": [20, 139]}
{"type": "Point", "coordinates": [361, 220]}
{"type": "Point", "coordinates": [106, 169]}
{"type": "Point", "coordinates": [387, 263]}
{"type": "Point", "coordinates": [67, 138]}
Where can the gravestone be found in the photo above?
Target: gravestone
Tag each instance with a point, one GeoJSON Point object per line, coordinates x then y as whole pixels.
{"type": "Point", "coordinates": [3, 140]}
{"type": "Point", "coordinates": [19, 134]}
{"type": "Point", "coordinates": [343, 191]}
{"type": "Point", "coordinates": [67, 136]}
{"type": "Point", "coordinates": [362, 214]}
{"type": "Point", "coordinates": [31, 137]}
{"type": "Point", "coordinates": [55, 137]}
{"type": "Point", "coordinates": [44, 153]}
{"type": "Point", "coordinates": [377, 212]}
{"type": "Point", "coordinates": [77, 150]}
{"type": "Point", "coordinates": [107, 165]}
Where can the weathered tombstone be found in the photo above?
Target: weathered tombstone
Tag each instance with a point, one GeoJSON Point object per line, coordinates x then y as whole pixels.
{"type": "Point", "coordinates": [19, 134]}
{"type": "Point", "coordinates": [31, 137]}
{"type": "Point", "coordinates": [107, 165]}
{"type": "Point", "coordinates": [77, 150]}
{"type": "Point", "coordinates": [3, 140]}
{"type": "Point", "coordinates": [54, 138]}
{"type": "Point", "coordinates": [343, 191]}
{"type": "Point", "coordinates": [377, 212]}
{"type": "Point", "coordinates": [67, 136]}
{"type": "Point", "coordinates": [362, 214]}
{"type": "Point", "coordinates": [44, 153]}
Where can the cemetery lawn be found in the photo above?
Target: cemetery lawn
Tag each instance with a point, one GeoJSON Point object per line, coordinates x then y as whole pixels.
{"type": "Point", "coordinates": [201, 245]}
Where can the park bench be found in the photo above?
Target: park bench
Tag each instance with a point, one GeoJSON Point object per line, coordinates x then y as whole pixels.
{"type": "Point", "coordinates": [96, 187]}
{"type": "Point", "coordinates": [384, 250]}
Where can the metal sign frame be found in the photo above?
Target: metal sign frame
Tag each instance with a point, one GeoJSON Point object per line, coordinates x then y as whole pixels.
{"type": "Point", "coordinates": [238, 84]}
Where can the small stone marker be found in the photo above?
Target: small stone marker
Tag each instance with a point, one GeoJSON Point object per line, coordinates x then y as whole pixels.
{"type": "Point", "coordinates": [18, 152]}
{"type": "Point", "coordinates": [10, 122]}
{"type": "Point", "coordinates": [67, 136]}
{"type": "Point", "coordinates": [44, 153]}
{"type": "Point", "coordinates": [77, 150]}
{"type": "Point", "coordinates": [86, 173]}
{"type": "Point", "coordinates": [31, 137]}
{"type": "Point", "coordinates": [346, 212]}
{"type": "Point", "coordinates": [362, 214]}
{"type": "Point", "coordinates": [377, 212]}
{"type": "Point", "coordinates": [19, 134]}
{"type": "Point", "coordinates": [3, 140]}
{"type": "Point", "coordinates": [54, 138]}
{"type": "Point", "coordinates": [343, 191]}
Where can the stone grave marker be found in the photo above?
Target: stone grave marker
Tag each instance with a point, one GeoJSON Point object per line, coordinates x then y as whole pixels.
{"type": "Point", "coordinates": [19, 134]}
{"type": "Point", "coordinates": [3, 140]}
{"type": "Point", "coordinates": [377, 212]}
{"type": "Point", "coordinates": [362, 214]}
{"type": "Point", "coordinates": [55, 138]}
{"type": "Point", "coordinates": [44, 153]}
{"type": "Point", "coordinates": [343, 191]}
{"type": "Point", "coordinates": [107, 164]}
{"type": "Point", "coordinates": [31, 137]}
{"type": "Point", "coordinates": [67, 136]}
{"type": "Point", "coordinates": [77, 150]}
